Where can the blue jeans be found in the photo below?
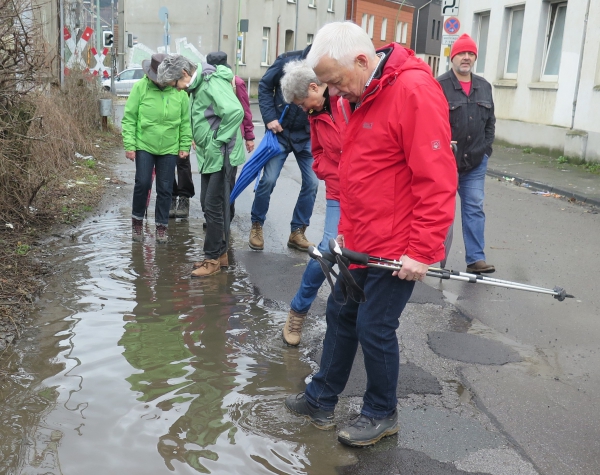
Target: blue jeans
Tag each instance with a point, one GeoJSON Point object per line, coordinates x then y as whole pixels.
{"type": "Point", "coordinates": [373, 324]}
{"type": "Point", "coordinates": [308, 191]}
{"type": "Point", "coordinates": [313, 276]}
{"type": "Point", "coordinates": [470, 190]}
{"type": "Point", "coordinates": [145, 162]}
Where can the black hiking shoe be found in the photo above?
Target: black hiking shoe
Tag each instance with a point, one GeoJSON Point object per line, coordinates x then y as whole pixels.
{"type": "Point", "coordinates": [298, 405]}
{"type": "Point", "coordinates": [183, 207]}
{"type": "Point", "coordinates": [364, 431]}
{"type": "Point", "coordinates": [137, 229]}
{"type": "Point", "coordinates": [173, 208]}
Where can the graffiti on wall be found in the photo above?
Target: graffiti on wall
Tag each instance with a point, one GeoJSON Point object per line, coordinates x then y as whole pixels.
{"type": "Point", "coordinates": [140, 52]}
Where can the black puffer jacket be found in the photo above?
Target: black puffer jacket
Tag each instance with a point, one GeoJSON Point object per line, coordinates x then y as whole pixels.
{"type": "Point", "coordinates": [471, 118]}
{"type": "Point", "coordinates": [296, 131]}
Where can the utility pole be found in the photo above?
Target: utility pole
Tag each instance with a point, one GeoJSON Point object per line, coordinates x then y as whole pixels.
{"type": "Point", "coordinates": [98, 27]}
{"type": "Point", "coordinates": [113, 50]}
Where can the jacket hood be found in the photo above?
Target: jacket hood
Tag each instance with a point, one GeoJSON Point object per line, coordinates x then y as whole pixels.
{"type": "Point", "coordinates": [400, 59]}
{"type": "Point", "coordinates": [217, 58]}
{"type": "Point", "coordinates": [209, 71]}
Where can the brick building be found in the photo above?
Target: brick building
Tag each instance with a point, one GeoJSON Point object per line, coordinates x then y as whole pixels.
{"type": "Point", "coordinates": [385, 21]}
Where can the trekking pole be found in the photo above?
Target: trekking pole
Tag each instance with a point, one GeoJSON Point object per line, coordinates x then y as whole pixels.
{"type": "Point", "coordinates": [382, 263]}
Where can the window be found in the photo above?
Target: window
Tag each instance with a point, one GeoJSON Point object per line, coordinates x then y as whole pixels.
{"type": "Point", "coordinates": [437, 34]}
{"type": "Point", "coordinates": [138, 74]}
{"type": "Point", "coordinates": [383, 29]}
{"type": "Point", "coordinates": [554, 41]}
{"type": "Point", "coordinates": [401, 32]}
{"type": "Point", "coordinates": [515, 32]}
{"type": "Point", "coordinates": [371, 26]}
{"type": "Point", "coordinates": [482, 21]}
{"type": "Point", "coordinates": [433, 30]}
{"type": "Point", "coordinates": [264, 55]}
{"type": "Point", "coordinates": [365, 19]}
{"type": "Point", "coordinates": [241, 52]}
{"type": "Point", "coordinates": [312, 3]}
{"type": "Point", "coordinates": [330, 6]}
{"type": "Point", "coordinates": [127, 75]}
{"type": "Point", "coordinates": [309, 38]}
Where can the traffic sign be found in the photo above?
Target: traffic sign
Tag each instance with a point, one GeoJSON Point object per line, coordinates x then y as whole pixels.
{"type": "Point", "coordinates": [450, 8]}
{"type": "Point", "coordinates": [449, 40]}
{"type": "Point", "coordinates": [451, 25]}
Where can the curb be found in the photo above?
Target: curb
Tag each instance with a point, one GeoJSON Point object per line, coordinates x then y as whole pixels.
{"type": "Point", "coordinates": [536, 185]}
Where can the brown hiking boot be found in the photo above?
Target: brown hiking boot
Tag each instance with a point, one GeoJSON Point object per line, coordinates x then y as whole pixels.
{"type": "Point", "coordinates": [480, 267]}
{"type": "Point", "coordinates": [298, 240]}
{"type": "Point", "coordinates": [256, 241]}
{"type": "Point", "coordinates": [292, 330]}
{"type": "Point", "coordinates": [207, 267]}
{"type": "Point", "coordinates": [137, 229]}
{"type": "Point", "coordinates": [223, 261]}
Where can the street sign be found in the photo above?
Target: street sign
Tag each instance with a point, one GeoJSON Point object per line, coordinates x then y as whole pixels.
{"type": "Point", "coordinates": [449, 40]}
{"type": "Point", "coordinates": [450, 8]}
{"type": "Point", "coordinates": [163, 14]}
{"type": "Point", "coordinates": [451, 25]}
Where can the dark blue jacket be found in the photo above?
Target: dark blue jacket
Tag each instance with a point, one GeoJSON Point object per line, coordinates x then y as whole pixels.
{"type": "Point", "coordinates": [296, 131]}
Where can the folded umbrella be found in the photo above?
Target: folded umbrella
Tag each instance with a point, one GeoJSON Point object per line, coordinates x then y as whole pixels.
{"type": "Point", "coordinates": [266, 150]}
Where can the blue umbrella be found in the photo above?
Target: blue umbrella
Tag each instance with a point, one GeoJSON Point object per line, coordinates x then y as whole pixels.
{"type": "Point", "coordinates": [266, 150]}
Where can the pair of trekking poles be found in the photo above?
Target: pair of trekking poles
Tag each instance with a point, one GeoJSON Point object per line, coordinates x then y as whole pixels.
{"type": "Point", "coordinates": [344, 257]}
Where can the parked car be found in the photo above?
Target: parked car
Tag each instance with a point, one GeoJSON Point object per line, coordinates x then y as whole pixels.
{"type": "Point", "coordinates": [124, 81]}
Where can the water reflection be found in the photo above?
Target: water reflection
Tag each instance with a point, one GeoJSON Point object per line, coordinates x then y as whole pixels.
{"type": "Point", "coordinates": [153, 372]}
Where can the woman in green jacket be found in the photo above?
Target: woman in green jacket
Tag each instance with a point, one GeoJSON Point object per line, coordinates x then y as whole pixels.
{"type": "Point", "coordinates": [156, 129]}
{"type": "Point", "coordinates": [216, 115]}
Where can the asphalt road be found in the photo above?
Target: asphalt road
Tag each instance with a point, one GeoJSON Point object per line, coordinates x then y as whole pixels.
{"type": "Point", "coordinates": [493, 381]}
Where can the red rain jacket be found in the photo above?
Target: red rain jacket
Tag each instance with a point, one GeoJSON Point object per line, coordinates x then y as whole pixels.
{"type": "Point", "coordinates": [326, 134]}
{"type": "Point", "coordinates": [398, 175]}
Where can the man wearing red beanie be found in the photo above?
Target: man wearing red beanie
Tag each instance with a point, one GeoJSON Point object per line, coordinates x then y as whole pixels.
{"type": "Point", "coordinates": [473, 126]}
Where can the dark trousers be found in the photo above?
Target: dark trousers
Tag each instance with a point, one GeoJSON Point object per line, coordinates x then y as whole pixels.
{"type": "Point", "coordinates": [212, 200]}
{"type": "Point", "coordinates": [231, 185]}
{"type": "Point", "coordinates": [164, 165]}
{"type": "Point", "coordinates": [373, 324]}
{"type": "Point", "coordinates": [184, 185]}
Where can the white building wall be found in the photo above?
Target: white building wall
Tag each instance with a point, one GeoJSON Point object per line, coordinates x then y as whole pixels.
{"type": "Point", "coordinates": [199, 23]}
{"type": "Point", "coordinates": [537, 113]}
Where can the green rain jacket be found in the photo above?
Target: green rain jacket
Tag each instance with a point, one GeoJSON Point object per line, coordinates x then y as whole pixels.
{"type": "Point", "coordinates": [156, 121]}
{"type": "Point", "coordinates": [216, 117]}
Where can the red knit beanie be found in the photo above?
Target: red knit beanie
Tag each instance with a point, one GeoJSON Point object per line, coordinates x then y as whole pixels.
{"type": "Point", "coordinates": [464, 44]}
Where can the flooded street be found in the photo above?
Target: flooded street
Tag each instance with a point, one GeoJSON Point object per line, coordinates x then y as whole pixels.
{"type": "Point", "coordinates": [129, 366]}
{"type": "Point", "coordinates": [143, 370]}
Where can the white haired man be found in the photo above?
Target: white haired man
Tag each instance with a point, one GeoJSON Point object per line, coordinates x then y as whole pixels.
{"type": "Point", "coordinates": [398, 184]}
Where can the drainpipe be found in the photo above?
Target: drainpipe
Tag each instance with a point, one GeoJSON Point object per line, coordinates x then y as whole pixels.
{"type": "Point", "coordinates": [352, 12]}
{"type": "Point", "coordinates": [277, 38]}
{"type": "Point", "coordinates": [220, 24]}
{"type": "Point", "coordinates": [417, 27]}
{"type": "Point", "coordinates": [576, 94]}
{"type": "Point", "coordinates": [296, 32]}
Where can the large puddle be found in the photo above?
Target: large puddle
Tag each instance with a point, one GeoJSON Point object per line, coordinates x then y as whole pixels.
{"type": "Point", "coordinates": [134, 368]}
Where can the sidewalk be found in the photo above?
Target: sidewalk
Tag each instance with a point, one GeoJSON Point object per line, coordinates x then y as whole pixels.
{"type": "Point", "coordinates": [544, 173]}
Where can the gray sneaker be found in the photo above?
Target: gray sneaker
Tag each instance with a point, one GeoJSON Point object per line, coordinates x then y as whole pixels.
{"type": "Point", "coordinates": [183, 207]}
{"type": "Point", "coordinates": [297, 404]}
{"type": "Point", "coordinates": [364, 430]}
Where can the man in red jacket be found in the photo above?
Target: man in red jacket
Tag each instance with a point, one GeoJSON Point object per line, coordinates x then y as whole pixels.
{"type": "Point", "coordinates": [398, 184]}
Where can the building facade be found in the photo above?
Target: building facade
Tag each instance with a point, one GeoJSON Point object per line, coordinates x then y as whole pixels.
{"type": "Point", "coordinates": [543, 60]}
{"type": "Point", "coordinates": [273, 27]}
{"type": "Point", "coordinates": [427, 32]}
{"type": "Point", "coordinates": [386, 21]}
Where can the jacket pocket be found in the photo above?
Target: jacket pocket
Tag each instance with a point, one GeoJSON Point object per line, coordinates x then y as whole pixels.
{"type": "Point", "coordinates": [456, 109]}
{"type": "Point", "coordinates": [485, 109]}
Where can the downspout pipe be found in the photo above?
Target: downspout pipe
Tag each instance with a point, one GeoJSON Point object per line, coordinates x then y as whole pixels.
{"type": "Point", "coordinates": [61, 39]}
{"type": "Point", "coordinates": [576, 94]}
{"type": "Point", "coordinates": [220, 24]}
{"type": "Point", "coordinates": [277, 38]}
{"type": "Point", "coordinates": [417, 27]}
{"type": "Point", "coordinates": [296, 32]}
